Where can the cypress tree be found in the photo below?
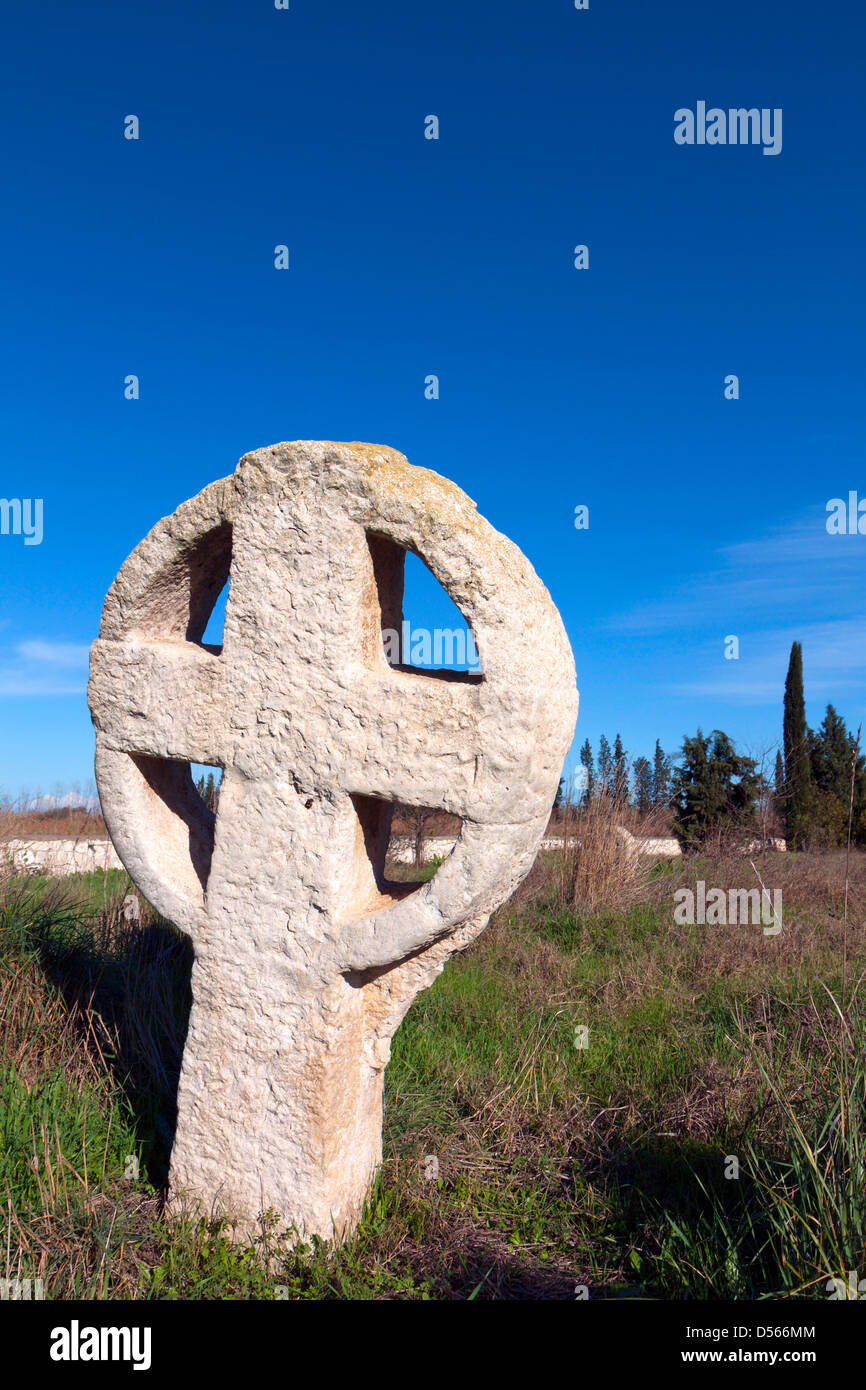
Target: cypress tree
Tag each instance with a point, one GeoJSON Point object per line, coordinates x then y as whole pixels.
{"type": "Point", "coordinates": [798, 765]}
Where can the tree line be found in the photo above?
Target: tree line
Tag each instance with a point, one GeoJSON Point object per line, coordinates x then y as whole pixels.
{"type": "Point", "coordinates": [813, 794]}
{"type": "Point", "coordinates": [646, 784]}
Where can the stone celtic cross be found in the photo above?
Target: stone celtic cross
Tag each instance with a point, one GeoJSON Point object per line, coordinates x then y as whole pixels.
{"type": "Point", "coordinates": [306, 956]}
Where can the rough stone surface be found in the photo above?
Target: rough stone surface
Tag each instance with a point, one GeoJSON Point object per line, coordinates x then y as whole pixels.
{"type": "Point", "coordinates": [306, 957]}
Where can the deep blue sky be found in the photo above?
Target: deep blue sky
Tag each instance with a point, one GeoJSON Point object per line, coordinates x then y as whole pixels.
{"type": "Point", "coordinates": [454, 257]}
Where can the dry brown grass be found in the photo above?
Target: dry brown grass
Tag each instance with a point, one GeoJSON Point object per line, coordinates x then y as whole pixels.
{"type": "Point", "coordinates": [67, 822]}
{"type": "Point", "coordinates": [598, 868]}
{"type": "Point", "coordinates": [813, 888]}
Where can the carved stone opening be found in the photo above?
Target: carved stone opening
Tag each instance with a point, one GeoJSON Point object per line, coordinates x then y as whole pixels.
{"type": "Point", "coordinates": [180, 605]}
{"type": "Point", "coordinates": [388, 631]}
{"type": "Point", "coordinates": [185, 824]}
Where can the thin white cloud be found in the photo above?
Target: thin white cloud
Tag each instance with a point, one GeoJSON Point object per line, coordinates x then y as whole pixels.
{"type": "Point", "coordinates": [18, 683]}
{"type": "Point", "coordinates": [796, 582]}
{"type": "Point", "coordinates": [834, 655]}
{"type": "Point", "coordinates": [55, 653]}
{"type": "Point", "coordinates": [39, 668]}
{"type": "Point", "coordinates": [797, 572]}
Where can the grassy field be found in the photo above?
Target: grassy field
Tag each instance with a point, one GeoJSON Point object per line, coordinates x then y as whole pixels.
{"type": "Point", "coordinates": [587, 1083]}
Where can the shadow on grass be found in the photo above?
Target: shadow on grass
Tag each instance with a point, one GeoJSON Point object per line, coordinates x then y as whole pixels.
{"type": "Point", "coordinates": [690, 1223]}
{"type": "Point", "coordinates": [127, 984]}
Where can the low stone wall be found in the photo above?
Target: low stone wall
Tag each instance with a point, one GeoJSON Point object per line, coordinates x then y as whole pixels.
{"type": "Point", "coordinates": [60, 857]}
{"type": "Point", "coordinates": [402, 847]}
{"type": "Point", "coordinates": [659, 846]}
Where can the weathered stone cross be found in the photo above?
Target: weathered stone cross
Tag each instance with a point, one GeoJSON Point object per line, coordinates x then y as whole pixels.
{"type": "Point", "coordinates": [306, 957]}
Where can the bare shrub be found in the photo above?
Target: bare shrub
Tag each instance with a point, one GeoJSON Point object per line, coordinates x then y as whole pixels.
{"type": "Point", "coordinates": [602, 866]}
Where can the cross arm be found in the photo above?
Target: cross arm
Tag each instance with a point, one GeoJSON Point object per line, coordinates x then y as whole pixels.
{"type": "Point", "coordinates": [158, 698]}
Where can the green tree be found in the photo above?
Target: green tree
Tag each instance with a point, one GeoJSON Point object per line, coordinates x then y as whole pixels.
{"type": "Point", "coordinates": [830, 768]}
{"type": "Point", "coordinates": [587, 760]}
{"type": "Point", "coordinates": [835, 756]}
{"type": "Point", "coordinates": [714, 791]}
{"type": "Point", "coordinates": [643, 785]}
{"type": "Point", "coordinates": [620, 770]}
{"type": "Point", "coordinates": [828, 820]}
{"type": "Point", "coordinates": [796, 743]}
{"type": "Point", "coordinates": [605, 762]}
{"type": "Point", "coordinates": [661, 777]}
{"type": "Point", "coordinates": [831, 756]}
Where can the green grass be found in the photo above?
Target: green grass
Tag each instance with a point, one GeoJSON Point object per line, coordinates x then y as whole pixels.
{"type": "Point", "coordinates": [558, 1165]}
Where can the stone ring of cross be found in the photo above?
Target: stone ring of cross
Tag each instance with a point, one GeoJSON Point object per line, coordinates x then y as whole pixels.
{"type": "Point", "coordinates": [306, 955]}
